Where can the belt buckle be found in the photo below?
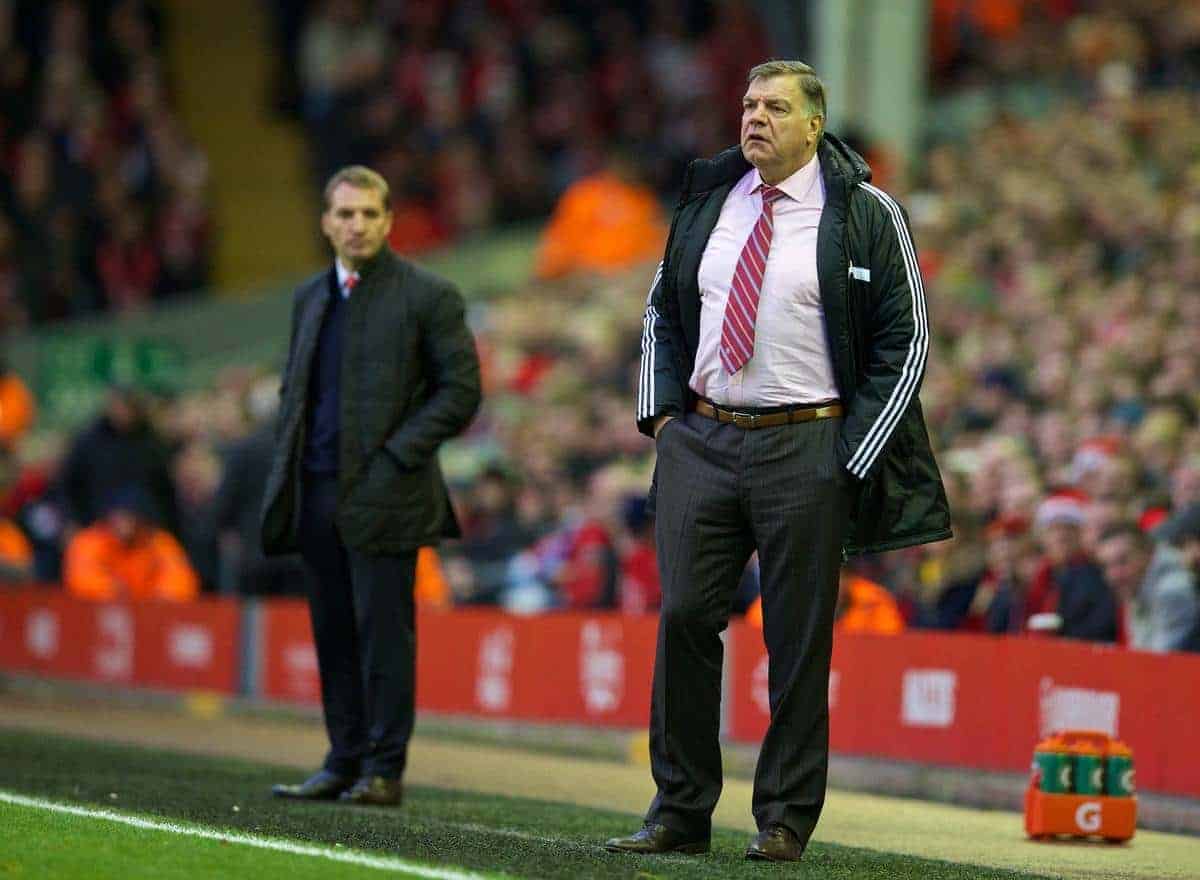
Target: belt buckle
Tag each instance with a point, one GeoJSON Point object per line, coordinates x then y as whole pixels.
{"type": "Point", "coordinates": [745, 420]}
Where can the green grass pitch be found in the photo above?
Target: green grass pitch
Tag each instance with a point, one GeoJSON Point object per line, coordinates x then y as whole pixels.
{"type": "Point", "coordinates": [459, 830]}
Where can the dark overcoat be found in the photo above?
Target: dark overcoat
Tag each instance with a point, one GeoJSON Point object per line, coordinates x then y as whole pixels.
{"type": "Point", "coordinates": [409, 381]}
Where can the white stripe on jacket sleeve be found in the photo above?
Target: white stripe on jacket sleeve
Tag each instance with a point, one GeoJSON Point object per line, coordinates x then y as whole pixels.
{"type": "Point", "coordinates": [645, 405]}
{"type": "Point", "coordinates": [918, 348]}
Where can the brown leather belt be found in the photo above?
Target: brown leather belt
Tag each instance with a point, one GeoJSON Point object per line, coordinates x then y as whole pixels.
{"type": "Point", "coordinates": [751, 421]}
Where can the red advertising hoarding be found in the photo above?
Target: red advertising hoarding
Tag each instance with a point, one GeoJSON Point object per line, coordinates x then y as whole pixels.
{"type": "Point", "coordinates": [192, 646]}
{"type": "Point", "coordinates": [590, 669]}
{"type": "Point", "coordinates": [951, 699]}
{"type": "Point", "coordinates": [981, 701]}
{"type": "Point", "coordinates": [288, 658]}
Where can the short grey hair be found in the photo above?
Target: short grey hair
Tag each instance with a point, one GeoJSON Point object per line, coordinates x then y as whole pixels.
{"type": "Point", "coordinates": [810, 83]}
{"type": "Point", "coordinates": [358, 176]}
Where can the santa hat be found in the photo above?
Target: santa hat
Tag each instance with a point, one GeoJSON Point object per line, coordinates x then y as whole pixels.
{"type": "Point", "coordinates": [1092, 454]}
{"type": "Point", "coordinates": [1064, 506]}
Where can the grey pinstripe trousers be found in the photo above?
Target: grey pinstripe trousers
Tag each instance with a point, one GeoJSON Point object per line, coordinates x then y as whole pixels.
{"type": "Point", "coordinates": [723, 492]}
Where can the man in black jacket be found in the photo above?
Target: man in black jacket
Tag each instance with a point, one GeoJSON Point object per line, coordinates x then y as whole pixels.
{"type": "Point", "coordinates": [120, 448]}
{"type": "Point", "coordinates": [783, 344]}
{"type": "Point", "coordinates": [381, 370]}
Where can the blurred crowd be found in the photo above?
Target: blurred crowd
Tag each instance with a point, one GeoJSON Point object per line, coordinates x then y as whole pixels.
{"type": "Point", "coordinates": [1062, 259]}
{"type": "Point", "coordinates": [1076, 44]}
{"type": "Point", "coordinates": [480, 114]}
{"type": "Point", "coordinates": [103, 195]}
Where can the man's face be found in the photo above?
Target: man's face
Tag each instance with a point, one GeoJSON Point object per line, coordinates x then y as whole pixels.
{"type": "Point", "coordinates": [1060, 541]}
{"type": "Point", "coordinates": [122, 410]}
{"type": "Point", "coordinates": [1124, 564]}
{"type": "Point", "coordinates": [124, 524]}
{"type": "Point", "coordinates": [357, 223]}
{"type": "Point", "coordinates": [777, 129]}
{"type": "Point", "coordinates": [1003, 554]}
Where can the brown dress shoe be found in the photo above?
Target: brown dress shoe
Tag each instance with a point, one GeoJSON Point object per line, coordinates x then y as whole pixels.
{"type": "Point", "coordinates": [375, 791]}
{"type": "Point", "coordinates": [775, 844]}
{"type": "Point", "coordinates": [654, 839]}
{"type": "Point", "coordinates": [321, 786]}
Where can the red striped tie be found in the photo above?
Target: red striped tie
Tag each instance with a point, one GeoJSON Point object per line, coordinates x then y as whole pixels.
{"type": "Point", "coordinates": [741, 310]}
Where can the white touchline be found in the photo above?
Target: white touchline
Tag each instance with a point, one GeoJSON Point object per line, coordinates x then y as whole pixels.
{"type": "Point", "coordinates": [353, 857]}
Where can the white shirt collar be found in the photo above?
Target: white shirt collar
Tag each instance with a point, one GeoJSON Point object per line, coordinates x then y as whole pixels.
{"type": "Point", "coordinates": [342, 274]}
{"type": "Point", "coordinates": [797, 185]}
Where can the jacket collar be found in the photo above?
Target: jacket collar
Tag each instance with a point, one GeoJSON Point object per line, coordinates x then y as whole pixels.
{"type": "Point", "coordinates": [840, 165]}
{"type": "Point", "coordinates": [377, 263]}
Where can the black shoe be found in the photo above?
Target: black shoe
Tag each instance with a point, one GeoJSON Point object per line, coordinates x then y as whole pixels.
{"type": "Point", "coordinates": [657, 839]}
{"type": "Point", "coordinates": [775, 844]}
{"type": "Point", "coordinates": [321, 786]}
{"type": "Point", "coordinates": [375, 791]}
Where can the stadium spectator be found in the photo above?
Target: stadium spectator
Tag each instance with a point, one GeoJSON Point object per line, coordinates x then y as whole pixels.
{"type": "Point", "coordinates": [430, 588]}
{"type": "Point", "coordinates": [863, 606]}
{"type": "Point", "coordinates": [128, 263]}
{"type": "Point", "coordinates": [342, 54]}
{"type": "Point", "coordinates": [196, 474]}
{"type": "Point", "coordinates": [639, 588]}
{"type": "Point", "coordinates": [942, 587]}
{"type": "Point", "coordinates": [1068, 595]}
{"type": "Point", "coordinates": [16, 554]}
{"type": "Point", "coordinates": [1001, 599]}
{"type": "Point", "coordinates": [1182, 531]}
{"type": "Point", "coordinates": [245, 569]}
{"type": "Point", "coordinates": [120, 448]}
{"type": "Point", "coordinates": [1160, 603]}
{"type": "Point", "coordinates": [124, 556]}
{"type": "Point", "coordinates": [576, 564]}
{"type": "Point", "coordinates": [16, 550]}
{"type": "Point", "coordinates": [588, 574]}
{"type": "Point", "coordinates": [18, 409]}
{"type": "Point", "coordinates": [604, 222]}
{"type": "Point", "coordinates": [493, 533]}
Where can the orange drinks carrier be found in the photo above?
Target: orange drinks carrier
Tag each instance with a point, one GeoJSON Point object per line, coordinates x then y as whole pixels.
{"type": "Point", "coordinates": [1099, 800]}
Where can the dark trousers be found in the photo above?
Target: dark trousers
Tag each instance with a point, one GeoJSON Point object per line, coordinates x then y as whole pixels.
{"type": "Point", "coordinates": [364, 625]}
{"type": "Point", "coordinates": [724, 492]}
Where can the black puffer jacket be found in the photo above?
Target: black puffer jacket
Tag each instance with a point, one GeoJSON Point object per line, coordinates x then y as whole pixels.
{"type": "Point", "coordinates": [409, 381]}
{"type": "Point", "coordinates": [876, 326]}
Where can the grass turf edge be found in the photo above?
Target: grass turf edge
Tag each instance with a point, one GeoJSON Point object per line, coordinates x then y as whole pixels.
{"type": "Point", "coordinates": [522, 837]}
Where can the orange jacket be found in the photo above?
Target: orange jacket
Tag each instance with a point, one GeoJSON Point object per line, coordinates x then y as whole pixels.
{"type": "Point", "coordinates": [431, 589]}
{"type": "Point", "coordinates": [98, 566]}
{"type": "Point", "coordinates": [601, 224]}
{"type": "Point", "coordinates": [871, 609]}
{"type": "Point", "coordinates": [17, 409]}
{"type": "Point", "coordinates": [15, 549]}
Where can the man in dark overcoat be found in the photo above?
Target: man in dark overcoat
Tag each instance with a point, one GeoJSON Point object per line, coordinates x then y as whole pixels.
{"type": "Point", "coordinates": [381, 370]}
